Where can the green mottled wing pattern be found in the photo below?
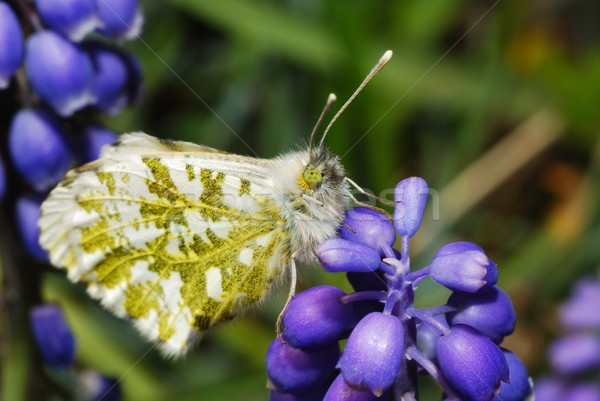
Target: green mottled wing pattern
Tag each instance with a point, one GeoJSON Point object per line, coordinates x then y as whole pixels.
{"type": "Point", "coordinates": [176, 236]}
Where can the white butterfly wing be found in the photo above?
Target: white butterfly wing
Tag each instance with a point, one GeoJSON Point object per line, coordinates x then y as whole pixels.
{"type": "Point", "coordinates": [176, 236]}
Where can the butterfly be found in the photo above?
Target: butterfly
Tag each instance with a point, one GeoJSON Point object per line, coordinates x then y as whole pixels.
{"type": "Point", "coordinates": [179, 237]}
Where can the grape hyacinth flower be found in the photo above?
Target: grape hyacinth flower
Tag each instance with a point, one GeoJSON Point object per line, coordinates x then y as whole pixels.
{"type": "Point", "coordinates": [73, 19]}
{"type": "Point", "coordinates": [89, 143]}
{"type": "Point", "coordinates": [296, 370]}
{"type": "Point", "coordinates": [38, 148]}
{"type": "Point", "coordinates": [53, 335]}
{"type": "Point", "coordinates": [519, 386]}
{"type": "Point", "coordinates": [581, 312]}
{"type": "Point", "coordinates": [60, 72]}
{"type": "Point", "coordinates": [390, 341]}
{"type": "Point", "coordinates": [27, 212]}
{"type": "Point", "coordinates": [60, 82]}
{"type": "Point", "coordinates": [11, 44]}
{"type": "Point", "coordinates": [489, 310]}
{"type": "Point", "coordinates": [95, 386]}
{"type": "Point", "coordinates": [111, 77]}
{"type": "Point", "coordinates": [320, 318]}
{"type": "Point", "coordinates": [463, 266]}
{"type": "Point", "coordinates": [575, 357]}
{"type": "Point", "coordinates": [120, 19]}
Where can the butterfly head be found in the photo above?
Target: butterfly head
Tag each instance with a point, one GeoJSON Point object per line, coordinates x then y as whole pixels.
{"type": "Point", "coordinates": [311, 178]}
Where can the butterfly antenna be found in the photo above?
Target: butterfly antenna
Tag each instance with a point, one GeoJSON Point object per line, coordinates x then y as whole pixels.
{"type": "Point", "coordinates": [380, 64]}
{"type": "Point", "coordinates": [328, 106]}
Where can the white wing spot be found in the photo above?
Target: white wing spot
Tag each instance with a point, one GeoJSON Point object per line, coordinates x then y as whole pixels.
{"type": "Point", "coordinates": [173, 247]}
{"type": "Point", "coordinates": [140, 273]}
{"type": "Point", "coordinates": [221, 228]}
{"type": "Point", "coordinates": [197, 225]}
{"type": "Point", "coordinates": [246, 256]}
{"type": "Point", "coordinates": [264, 240]}
{"type": "Point", "coordinates": [171, 287]}
{"type": "Point", "coordinates": [214, 287]}
{"type": "Point", "coordinates": [233, 182]}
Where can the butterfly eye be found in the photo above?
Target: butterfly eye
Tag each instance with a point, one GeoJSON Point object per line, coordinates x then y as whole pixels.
{"type": "Point", "coordinates": [312, 177]}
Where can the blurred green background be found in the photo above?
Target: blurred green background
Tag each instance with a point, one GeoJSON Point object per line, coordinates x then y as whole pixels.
{"type": "Point", "coordinates": [495, 104]}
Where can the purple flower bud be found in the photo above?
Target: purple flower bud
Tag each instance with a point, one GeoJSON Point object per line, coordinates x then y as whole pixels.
{"type": "Point", "coordinates": [458, 247]}
{"type": "Point", "coordinates": [294, 370]}
{"type": "Point", "coordinates": [60, 72]}
{"type": "Point", "coordinates": [120, 19]}
{"type": "Point", "coordinates": [411, 195]}
{"type": "Point", "coordinates": [340, 390]}
{"type": "Point", "coordinates": [340, 255]}
{"type": "Point", "coordinates": [27, 215]}
{"type": "Point", "coordinates": [71, 18]}
{"type": "Point", "coordinates": [373, 353]}
{"type": "Point", "coordinates": [471, 363]}
{"type": "Point", "coordinates": [52, 335]}
{"type": "Point", "coordinates": [581, 311]}
{"type": "Point", "coordinates": [91, 141]}
{"type": "Point", "coordinates": [582, 392]}
{"type": "Point", "coordinates": [11, 44]}
{"type": "Point", "coordinates": [372, 228]}
{"type": "Point", "coordinates": [38, 149]}
{"type": "Point", "coordinates": [95, 386]}
{"type": "Point", "coordinates": [463, 266]}
{"type": "Point", "coordinates": [490, 311]}
{"type": "Point", "coordinates": [520, 383]}
{"type": "Point", "coordinates": [575, 353]}
{"type": "Point", "coordinates": [111, 77]}
{"type": "Point", "coordinates": [316, 317]}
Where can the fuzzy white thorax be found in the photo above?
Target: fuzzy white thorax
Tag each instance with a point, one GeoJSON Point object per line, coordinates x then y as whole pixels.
{"type": "Point", "coordinates": [312, 216]}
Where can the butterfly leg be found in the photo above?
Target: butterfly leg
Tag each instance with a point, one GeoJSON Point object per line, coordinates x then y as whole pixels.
{"type": "Point", "coordinates": [289, 299]}
{"type": "Point", "coordinates": [367, 194]}
{"type": "Point", "coordinates": [362, 204]}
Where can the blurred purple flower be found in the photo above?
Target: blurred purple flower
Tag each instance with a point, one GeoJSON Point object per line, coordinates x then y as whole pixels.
{"type": "Point", "coordinates": [11, 44]}
{"type": "Point", "coordinates": [582, 310]}
{"type": "Point", "coordinates": [575, 353]}
{"type": "Point", "coordinates": [52, 335]}
{"type": "Point", "coordinates": [71, 18]}
{"type": "Point", "coordinates": [27, 213]}
{"type": "Point", "coordinates": [38, 149]}
{"type": "Point", "coordinates": [110, 88]}
{"type": "Point", "coordinates": [91, 141]}
{"type": "Point", "coordinates": [95, 387]}
{"type": "Point", "coordinates": [120, 19]}
{"type": "Point", "coordinates": [60, 72]}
